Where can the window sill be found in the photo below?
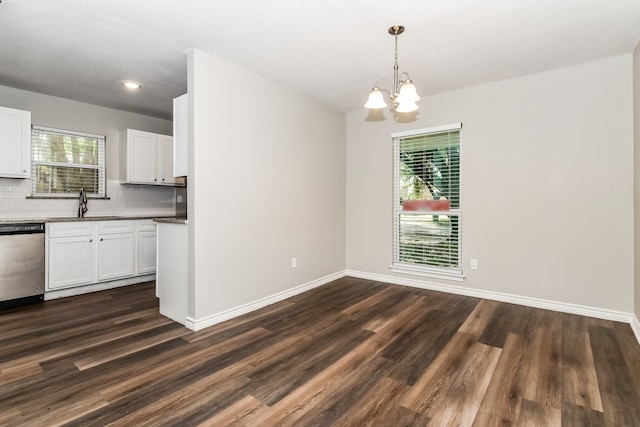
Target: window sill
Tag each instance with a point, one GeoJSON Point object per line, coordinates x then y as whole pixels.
{"type": "Point", "coordinates": [436, 273]}
{"type": "Point", "coordinates": [65, 197]}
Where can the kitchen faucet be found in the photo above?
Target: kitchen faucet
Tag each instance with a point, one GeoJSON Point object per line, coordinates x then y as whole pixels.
{"type": "Point", "coordinates": [82, 203]}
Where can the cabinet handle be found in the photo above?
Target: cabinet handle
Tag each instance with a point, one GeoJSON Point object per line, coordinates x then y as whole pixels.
{"type": "Point", "coordinates": [101, 239]}
{"type": "Point", "coordinates": [90, 240]}
{"type": "Point", "coordinates": [24, 171]}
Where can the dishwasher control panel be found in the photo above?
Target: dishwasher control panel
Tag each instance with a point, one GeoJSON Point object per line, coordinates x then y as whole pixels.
{"type": "Point", "coordinates": [21, 228]}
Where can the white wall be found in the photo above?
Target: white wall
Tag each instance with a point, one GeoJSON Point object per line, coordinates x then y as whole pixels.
{"type": "Point", "coordinates": [62, 113]}
{"type": "Point", "coordinates": [267, 183]}
{"type": "Point", "coordinates": [636, 184]}
{"type": "Point", "coordinates": [547, 191]}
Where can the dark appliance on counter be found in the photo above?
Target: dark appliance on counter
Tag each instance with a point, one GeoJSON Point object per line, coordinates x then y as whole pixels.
{"type": "Point", "coordinates": [181, 200]}
{"type": "Point", "coordinates": [22, 264]}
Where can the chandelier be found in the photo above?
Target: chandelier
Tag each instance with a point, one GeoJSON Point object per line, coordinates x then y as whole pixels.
{"type": "Point", "coordinates": [403, 93]}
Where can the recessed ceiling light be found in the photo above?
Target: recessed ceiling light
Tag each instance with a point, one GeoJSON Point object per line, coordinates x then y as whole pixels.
{"type": "Point", "coordinates": [130, 84]}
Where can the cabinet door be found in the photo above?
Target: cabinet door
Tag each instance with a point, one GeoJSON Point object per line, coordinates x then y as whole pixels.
{"type": "Point", "coordinates": [142, 155]}
{"type": "Point", "coordinates": [146, 252]}
{"type": "Point", "coordinates": [165, 160]}
{"type": "Point", "coordinates": [15, 143]}
{"type": "Point", "coordinates": [115, 256]}
{"type": "Point", "coordinates": [71, 261]}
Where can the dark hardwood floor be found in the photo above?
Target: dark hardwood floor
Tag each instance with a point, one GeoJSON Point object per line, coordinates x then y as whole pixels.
{"type": "Point", "coordinates": [350, 353]}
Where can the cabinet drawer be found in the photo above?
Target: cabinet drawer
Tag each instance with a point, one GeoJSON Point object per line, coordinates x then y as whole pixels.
{"type": "Point", "coordinates": [69, 229]}
{"type": "Point", "coordinates": [147, 225]}
{"type": "Point", "coordinates": [115, 227]}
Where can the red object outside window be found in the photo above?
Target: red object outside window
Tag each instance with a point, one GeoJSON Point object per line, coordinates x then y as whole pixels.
{"type": "Point", "coordinates": [425, 205]}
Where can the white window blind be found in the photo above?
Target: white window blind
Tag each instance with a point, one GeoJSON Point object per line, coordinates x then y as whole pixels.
{"type": "Point", "coordinates": [63, 162]}
{"type": "Point", "coordinates": [427, 209]}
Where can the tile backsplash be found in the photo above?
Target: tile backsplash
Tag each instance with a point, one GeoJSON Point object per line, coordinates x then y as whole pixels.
{"type": "Point", "coordinates": [123, 199]}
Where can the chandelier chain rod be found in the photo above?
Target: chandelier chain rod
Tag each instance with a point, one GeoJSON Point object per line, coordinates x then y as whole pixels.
{"type": "Point", "coordinates": [395, 71]}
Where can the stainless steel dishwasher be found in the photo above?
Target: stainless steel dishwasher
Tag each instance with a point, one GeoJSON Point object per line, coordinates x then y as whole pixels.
{"type": "Point", "coordinates": [22, 264]}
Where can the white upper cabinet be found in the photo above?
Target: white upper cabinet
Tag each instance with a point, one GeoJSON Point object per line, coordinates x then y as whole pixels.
{"type": "Point", "coordinates": [147, 158]}
{"type": "Point", "coordinates": [165, 160]}
{"type": "Point", "coordinates": [142, 151]}
{"type": "Point", "coordinates": [180, 135]}
{"type": "Point", "coordinates": [15, 143]}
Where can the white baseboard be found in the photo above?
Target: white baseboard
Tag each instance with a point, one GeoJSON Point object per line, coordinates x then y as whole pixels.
{"type": "Point", "coordinates": [635, 326]}
{"type": "Point", "coordinates": [582, 310]}
{"type": "Point", "coordinates": [205, 322]}
{"type": "Point", "coordinates": [599, 313]}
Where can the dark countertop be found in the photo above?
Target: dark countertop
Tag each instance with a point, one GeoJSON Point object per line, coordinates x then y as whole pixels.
{"type": "Point", "coordinates": [91, 218]}
{"type": "Point", "coordinates": [171, 220]}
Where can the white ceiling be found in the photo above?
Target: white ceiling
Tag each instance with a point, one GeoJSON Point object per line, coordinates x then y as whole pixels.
{"type": "Point", "coordinates": [332, 50]}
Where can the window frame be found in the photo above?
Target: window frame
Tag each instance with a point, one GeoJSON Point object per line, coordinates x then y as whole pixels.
{"type": "Point", "coordinates": [101, 167]}
{"type": "Point", "coordinates": [449, 273]}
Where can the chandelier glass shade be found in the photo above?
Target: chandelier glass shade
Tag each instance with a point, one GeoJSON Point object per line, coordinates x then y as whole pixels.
{"type": "Point", "coordinates": [403, 93]}
{"type": "Point", "coordinates": [376, 99]}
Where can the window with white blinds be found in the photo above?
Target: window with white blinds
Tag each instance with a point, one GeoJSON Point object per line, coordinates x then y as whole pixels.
{"type": "Point", "coordinates": [63, 162]}
{"type": "Point", "coordinates": [427, 210]}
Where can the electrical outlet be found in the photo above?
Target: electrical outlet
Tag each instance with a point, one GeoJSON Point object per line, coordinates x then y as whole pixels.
{"type": "Point", "coordinates": [179, 198]}
{"type": "Point", "coordinates": [474, 264]}
{"type": "Point", "coordinates": [117, 197]}
{"type": "Point", "coordinates": [294, 262]}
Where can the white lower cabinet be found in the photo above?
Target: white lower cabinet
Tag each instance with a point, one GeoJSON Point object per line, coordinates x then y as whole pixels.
{"type": "Point", "coordinates": [147, 247]}
{"type": "Point", "coordinates": [116, 249]}
{"type": "Point", "coordinates": [89, 252]}
{"type": "Point", "coordinates": [116, 256]}
{"type": "Point", "coordinates": [71, 261]}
